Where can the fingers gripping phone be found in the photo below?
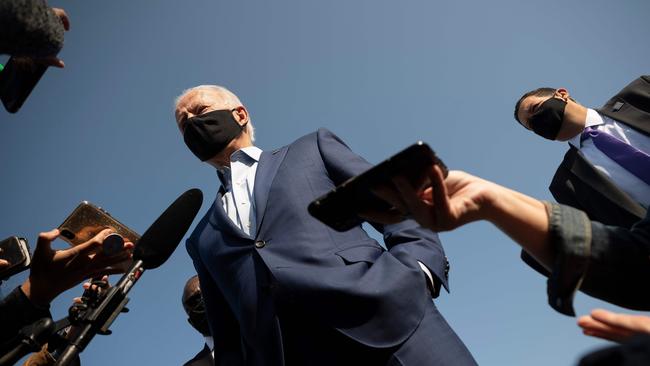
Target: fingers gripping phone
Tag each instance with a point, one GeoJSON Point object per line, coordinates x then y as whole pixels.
{"type": "Point", "coordinates": [339, 208]}
{"type": "Point", "coordinates": [14, 250]}
{"type": "Point", "coordinates": [87, 220]}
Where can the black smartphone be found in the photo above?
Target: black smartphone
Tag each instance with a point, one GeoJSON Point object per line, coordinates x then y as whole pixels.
{"type": "Point", "coordinates": [17, 80]}
{"type": "Point", "coordinates": [14, 250]}
{"type": "Point", "coordinates": [339, 207]}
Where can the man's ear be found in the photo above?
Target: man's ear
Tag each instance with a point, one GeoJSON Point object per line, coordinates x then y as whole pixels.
{"type": "Point", "coordinates": [562, 94]}
{"type": "Point", "coordinates": [241, 115]}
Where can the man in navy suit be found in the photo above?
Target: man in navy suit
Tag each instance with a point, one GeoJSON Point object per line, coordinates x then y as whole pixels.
{"type": "Point", "coordinates": [280, 287]}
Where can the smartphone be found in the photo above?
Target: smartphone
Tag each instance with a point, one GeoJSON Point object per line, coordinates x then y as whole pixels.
{"type": "Point", "coordinates": [17, 80]}
{"type": "Point", "coordinates": [339, 207]}
{"type": "Point", "coordinates": [14, 250]}
{"type": "Point", "coordinates": [87, 220]}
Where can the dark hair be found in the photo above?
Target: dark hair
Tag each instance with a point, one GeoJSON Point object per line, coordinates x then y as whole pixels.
{"type": "Point", "coordinates": [539, 92]}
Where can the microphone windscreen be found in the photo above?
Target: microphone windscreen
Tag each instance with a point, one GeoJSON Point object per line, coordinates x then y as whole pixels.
{"type": "Point", "coordinates": [163, 236]}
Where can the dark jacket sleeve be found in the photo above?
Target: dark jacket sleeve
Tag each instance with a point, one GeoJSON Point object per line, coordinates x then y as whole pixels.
{"type": "Point", "coordinates": [16, 311]}
{"type": "Point", "coordinates": [29, 28]}
{"type": "Point", "coordinates": [607, 262]}
{"type": "Point", "coordinates": [404, 238]}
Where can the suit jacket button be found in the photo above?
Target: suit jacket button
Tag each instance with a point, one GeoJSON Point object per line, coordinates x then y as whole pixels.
{"type": "Point", "coordinates": [259, 244]}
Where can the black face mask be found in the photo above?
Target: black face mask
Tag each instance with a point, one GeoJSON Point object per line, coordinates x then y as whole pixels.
{"type": "Point", "coordinates": [547, 121]}
{"type": "Point", "coordinates": [208, 134]}
{"type": "Point", "coordinates": [195, 309]}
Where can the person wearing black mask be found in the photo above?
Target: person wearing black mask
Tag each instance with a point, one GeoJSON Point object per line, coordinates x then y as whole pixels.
{"type": "Point", "coordinates": [282, 288]}
{"type": "Point", "coordinates": [606, 171]}
{"type": "Point", "coordinates": [195, 310]}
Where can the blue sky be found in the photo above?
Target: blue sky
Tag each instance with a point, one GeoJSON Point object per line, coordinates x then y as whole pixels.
{"type": "Point", "coordinates": [381, 74]}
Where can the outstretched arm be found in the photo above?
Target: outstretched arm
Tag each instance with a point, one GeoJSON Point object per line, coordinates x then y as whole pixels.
{"type": "Point", "coordinates": [603, 261]}
{"type": "Point", "coordinates": [462, 198]}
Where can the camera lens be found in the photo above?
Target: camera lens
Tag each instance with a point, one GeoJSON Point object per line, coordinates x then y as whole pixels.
{"type": "Point", "coordinates": [67, 234]}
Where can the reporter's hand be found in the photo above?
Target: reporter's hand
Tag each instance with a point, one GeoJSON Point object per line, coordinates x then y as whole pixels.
{"type": "Point", "coordinates": [447, 204]}
{"type": "Point", "coordinates": [53, 60]}
{"type": "Point", "coordinates": [54, 271]}
{"type": "Point", "coordinates": [95, 286]}
{"type": "Point", "coordinates": [612, 326]}
{"type": "Point", "coordinates": [63, 16]}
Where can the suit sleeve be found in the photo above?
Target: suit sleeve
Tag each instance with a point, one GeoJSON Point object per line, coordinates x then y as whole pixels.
{"type": "Point", "coordinates": [223, 325]}
{"type": "Point", "coordinates": [404, 238]}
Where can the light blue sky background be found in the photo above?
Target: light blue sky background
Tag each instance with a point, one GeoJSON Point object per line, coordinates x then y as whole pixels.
{"type": "Point", "coordinates": [381, 74]}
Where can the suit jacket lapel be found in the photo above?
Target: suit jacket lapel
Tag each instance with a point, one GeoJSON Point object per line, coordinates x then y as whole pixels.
{"type": "Point", "coordinates": [266, 170]}
{"type": "Point", "coordinates": [586, 172]}
{"type": "Point", "coordinates": [220, 220]}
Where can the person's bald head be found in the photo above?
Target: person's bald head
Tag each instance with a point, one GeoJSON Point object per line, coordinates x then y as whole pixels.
{"type": "Point", "coordinates": [191, 291]}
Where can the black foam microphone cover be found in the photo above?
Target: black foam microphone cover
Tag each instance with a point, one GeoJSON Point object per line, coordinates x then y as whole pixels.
{"type": "Point", "coordinates": [163, 236]}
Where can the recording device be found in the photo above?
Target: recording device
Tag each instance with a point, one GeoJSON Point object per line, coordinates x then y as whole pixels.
{"type": "Point", "coordinates": [14, 250]}
{"type": "Point", "coordinates": [339, 208]}
{"type": "Point", "coordinates": [112, 244]}
{"type": "Point", "coordinates": [154, 247]}
{"type": "Point", "coordinates": [17, 80]}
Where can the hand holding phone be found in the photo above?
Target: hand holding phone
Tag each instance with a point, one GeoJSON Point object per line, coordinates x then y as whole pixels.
{"type": "Point", "coordinates": [54, 271]}
{"type": "Point", "coordinates": [87, 220]}
{"type": "Point", "coordinates": [343, 206]}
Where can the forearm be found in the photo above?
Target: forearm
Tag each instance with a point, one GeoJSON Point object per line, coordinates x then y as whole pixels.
{"type": "Point", "coordinates": [17, 311]}
{"type": "Point", "coordinates": [524, 219]}
{"type": "Point", "coordinates": [37, 293]}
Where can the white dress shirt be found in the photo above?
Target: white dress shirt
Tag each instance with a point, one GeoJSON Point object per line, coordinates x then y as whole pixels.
{"type": "Point", "coordinates": [238, 182]}
{"type": "Point", "coordinates": [626, 181]}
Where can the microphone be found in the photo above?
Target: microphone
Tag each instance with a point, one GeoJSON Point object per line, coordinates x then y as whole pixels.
{"type": "Point", "coordinates": [153, 249]}
{"type": "Point", "coordinates": [161, 239]}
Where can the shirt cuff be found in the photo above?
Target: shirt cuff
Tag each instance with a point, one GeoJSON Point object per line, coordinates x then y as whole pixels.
{"type": "Point", "coordinates": [431, 284]}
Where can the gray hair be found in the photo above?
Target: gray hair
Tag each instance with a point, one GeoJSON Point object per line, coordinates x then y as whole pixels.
{"type": "Point", "coordinates": [230, 100]}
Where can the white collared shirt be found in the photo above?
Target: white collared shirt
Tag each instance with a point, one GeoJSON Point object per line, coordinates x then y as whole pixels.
{"type": "Point", "coordinates": [238, 182]}
{"type": "Point", "coordinates": [626, 181]}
